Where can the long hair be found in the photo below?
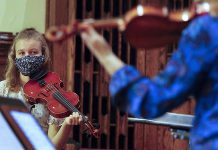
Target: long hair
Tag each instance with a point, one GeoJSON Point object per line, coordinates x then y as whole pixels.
{"type": "Point", "coordinates": [12, 74]}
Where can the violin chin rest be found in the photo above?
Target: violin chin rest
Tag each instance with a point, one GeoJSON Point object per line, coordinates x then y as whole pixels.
{"type": "Point", "coordinates": [39, 74]}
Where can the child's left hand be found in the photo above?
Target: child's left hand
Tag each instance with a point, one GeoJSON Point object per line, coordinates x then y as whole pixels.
{"type": "Point", "coordinates": [73, 119]}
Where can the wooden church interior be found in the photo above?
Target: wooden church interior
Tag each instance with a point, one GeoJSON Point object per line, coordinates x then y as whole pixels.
{"type": "Point", "coordinates": [82, 74]}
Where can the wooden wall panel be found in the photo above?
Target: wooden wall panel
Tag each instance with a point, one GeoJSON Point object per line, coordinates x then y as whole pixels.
{"type": "Point", "coordinates": [6, 39]}
{"type": "Point", "coordinates": [82, 74]}
{"type": "Point", "coordinates": [57, 12]}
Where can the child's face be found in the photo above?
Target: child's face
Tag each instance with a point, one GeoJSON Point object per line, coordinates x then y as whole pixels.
{"type": "Point", "coordinates": [28, 47]}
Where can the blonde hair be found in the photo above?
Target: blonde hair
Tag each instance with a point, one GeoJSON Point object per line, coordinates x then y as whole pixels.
{"type": "Point", "coordinates": [12, 74]}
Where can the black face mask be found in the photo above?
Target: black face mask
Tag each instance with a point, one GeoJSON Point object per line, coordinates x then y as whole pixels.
{"type": "Point", "coordinates": [29, 64]}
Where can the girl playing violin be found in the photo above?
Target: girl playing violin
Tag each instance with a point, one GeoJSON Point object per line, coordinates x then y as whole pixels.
{"type": "Point", "coordinates": [28, 54]}
{"type": "Point", "coordinates": [192, 70]}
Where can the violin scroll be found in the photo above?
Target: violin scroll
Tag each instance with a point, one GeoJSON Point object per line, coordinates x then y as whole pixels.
{"type": "Point", "coordinates": [92, 129]}
{"type": "Point", "coordinates": [58, 34]}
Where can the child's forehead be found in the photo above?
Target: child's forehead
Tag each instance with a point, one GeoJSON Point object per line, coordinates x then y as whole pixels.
{"type": "Point", "coordinates": [27, 44]}
{"type": "Point", "coordinates": [28, 41]}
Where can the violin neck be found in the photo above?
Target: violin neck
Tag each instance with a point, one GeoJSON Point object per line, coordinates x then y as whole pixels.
{"type": "Point", "coordinates": [58, 96]}
{"type": "Point", "coordinates": [106, 23]}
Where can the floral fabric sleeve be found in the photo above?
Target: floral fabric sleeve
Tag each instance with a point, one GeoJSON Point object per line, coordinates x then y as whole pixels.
{"type": "Point", "coordinates": [56, 121]}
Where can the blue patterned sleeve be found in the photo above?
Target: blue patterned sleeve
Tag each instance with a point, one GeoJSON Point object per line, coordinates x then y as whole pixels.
{"type": "Point", "coordinates": [183, 75]}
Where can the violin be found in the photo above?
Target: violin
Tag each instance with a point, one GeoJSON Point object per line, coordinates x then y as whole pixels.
{"type": "Point", "coordinates": [144, 26]}
{"type": "Point", "coordinates": [47, 88]}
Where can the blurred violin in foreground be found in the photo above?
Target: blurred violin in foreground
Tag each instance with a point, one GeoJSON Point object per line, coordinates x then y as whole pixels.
{"type": "Point", "coordinates": [144, 26]}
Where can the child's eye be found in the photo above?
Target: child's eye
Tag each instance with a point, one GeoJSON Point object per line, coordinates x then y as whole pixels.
{"type": "Point", "coordinates": [33, 52]}
{"type": "Point", "coordinates": [21, 53]}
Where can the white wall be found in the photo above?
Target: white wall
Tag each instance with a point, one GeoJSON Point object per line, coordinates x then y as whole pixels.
{"type": "Point", "coordinates": [16, 15]}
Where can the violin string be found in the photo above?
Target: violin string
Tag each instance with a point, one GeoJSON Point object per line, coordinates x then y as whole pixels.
{"type": "Point", "coordinates": [59, 95]}
{"type": "Point", "coordinates": [65, 101]}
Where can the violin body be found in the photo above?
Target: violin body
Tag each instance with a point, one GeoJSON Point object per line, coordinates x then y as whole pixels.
{"type": "Point", "coordinates": [152, 27]}
{"type": "Point", "coordinates": [153, 31]}
{"type": "Point", "coordinates": [47, 88]}
{"type": "Point", "coordinates": [35, 93]}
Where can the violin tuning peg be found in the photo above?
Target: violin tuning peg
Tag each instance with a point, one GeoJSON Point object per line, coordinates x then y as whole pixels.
{"type": "Point", "coordinates": [84, 130]}
{"type": "Point", "coordinates": [95, 124]}
{"type": "Point", "coordinates": [87, 134]}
